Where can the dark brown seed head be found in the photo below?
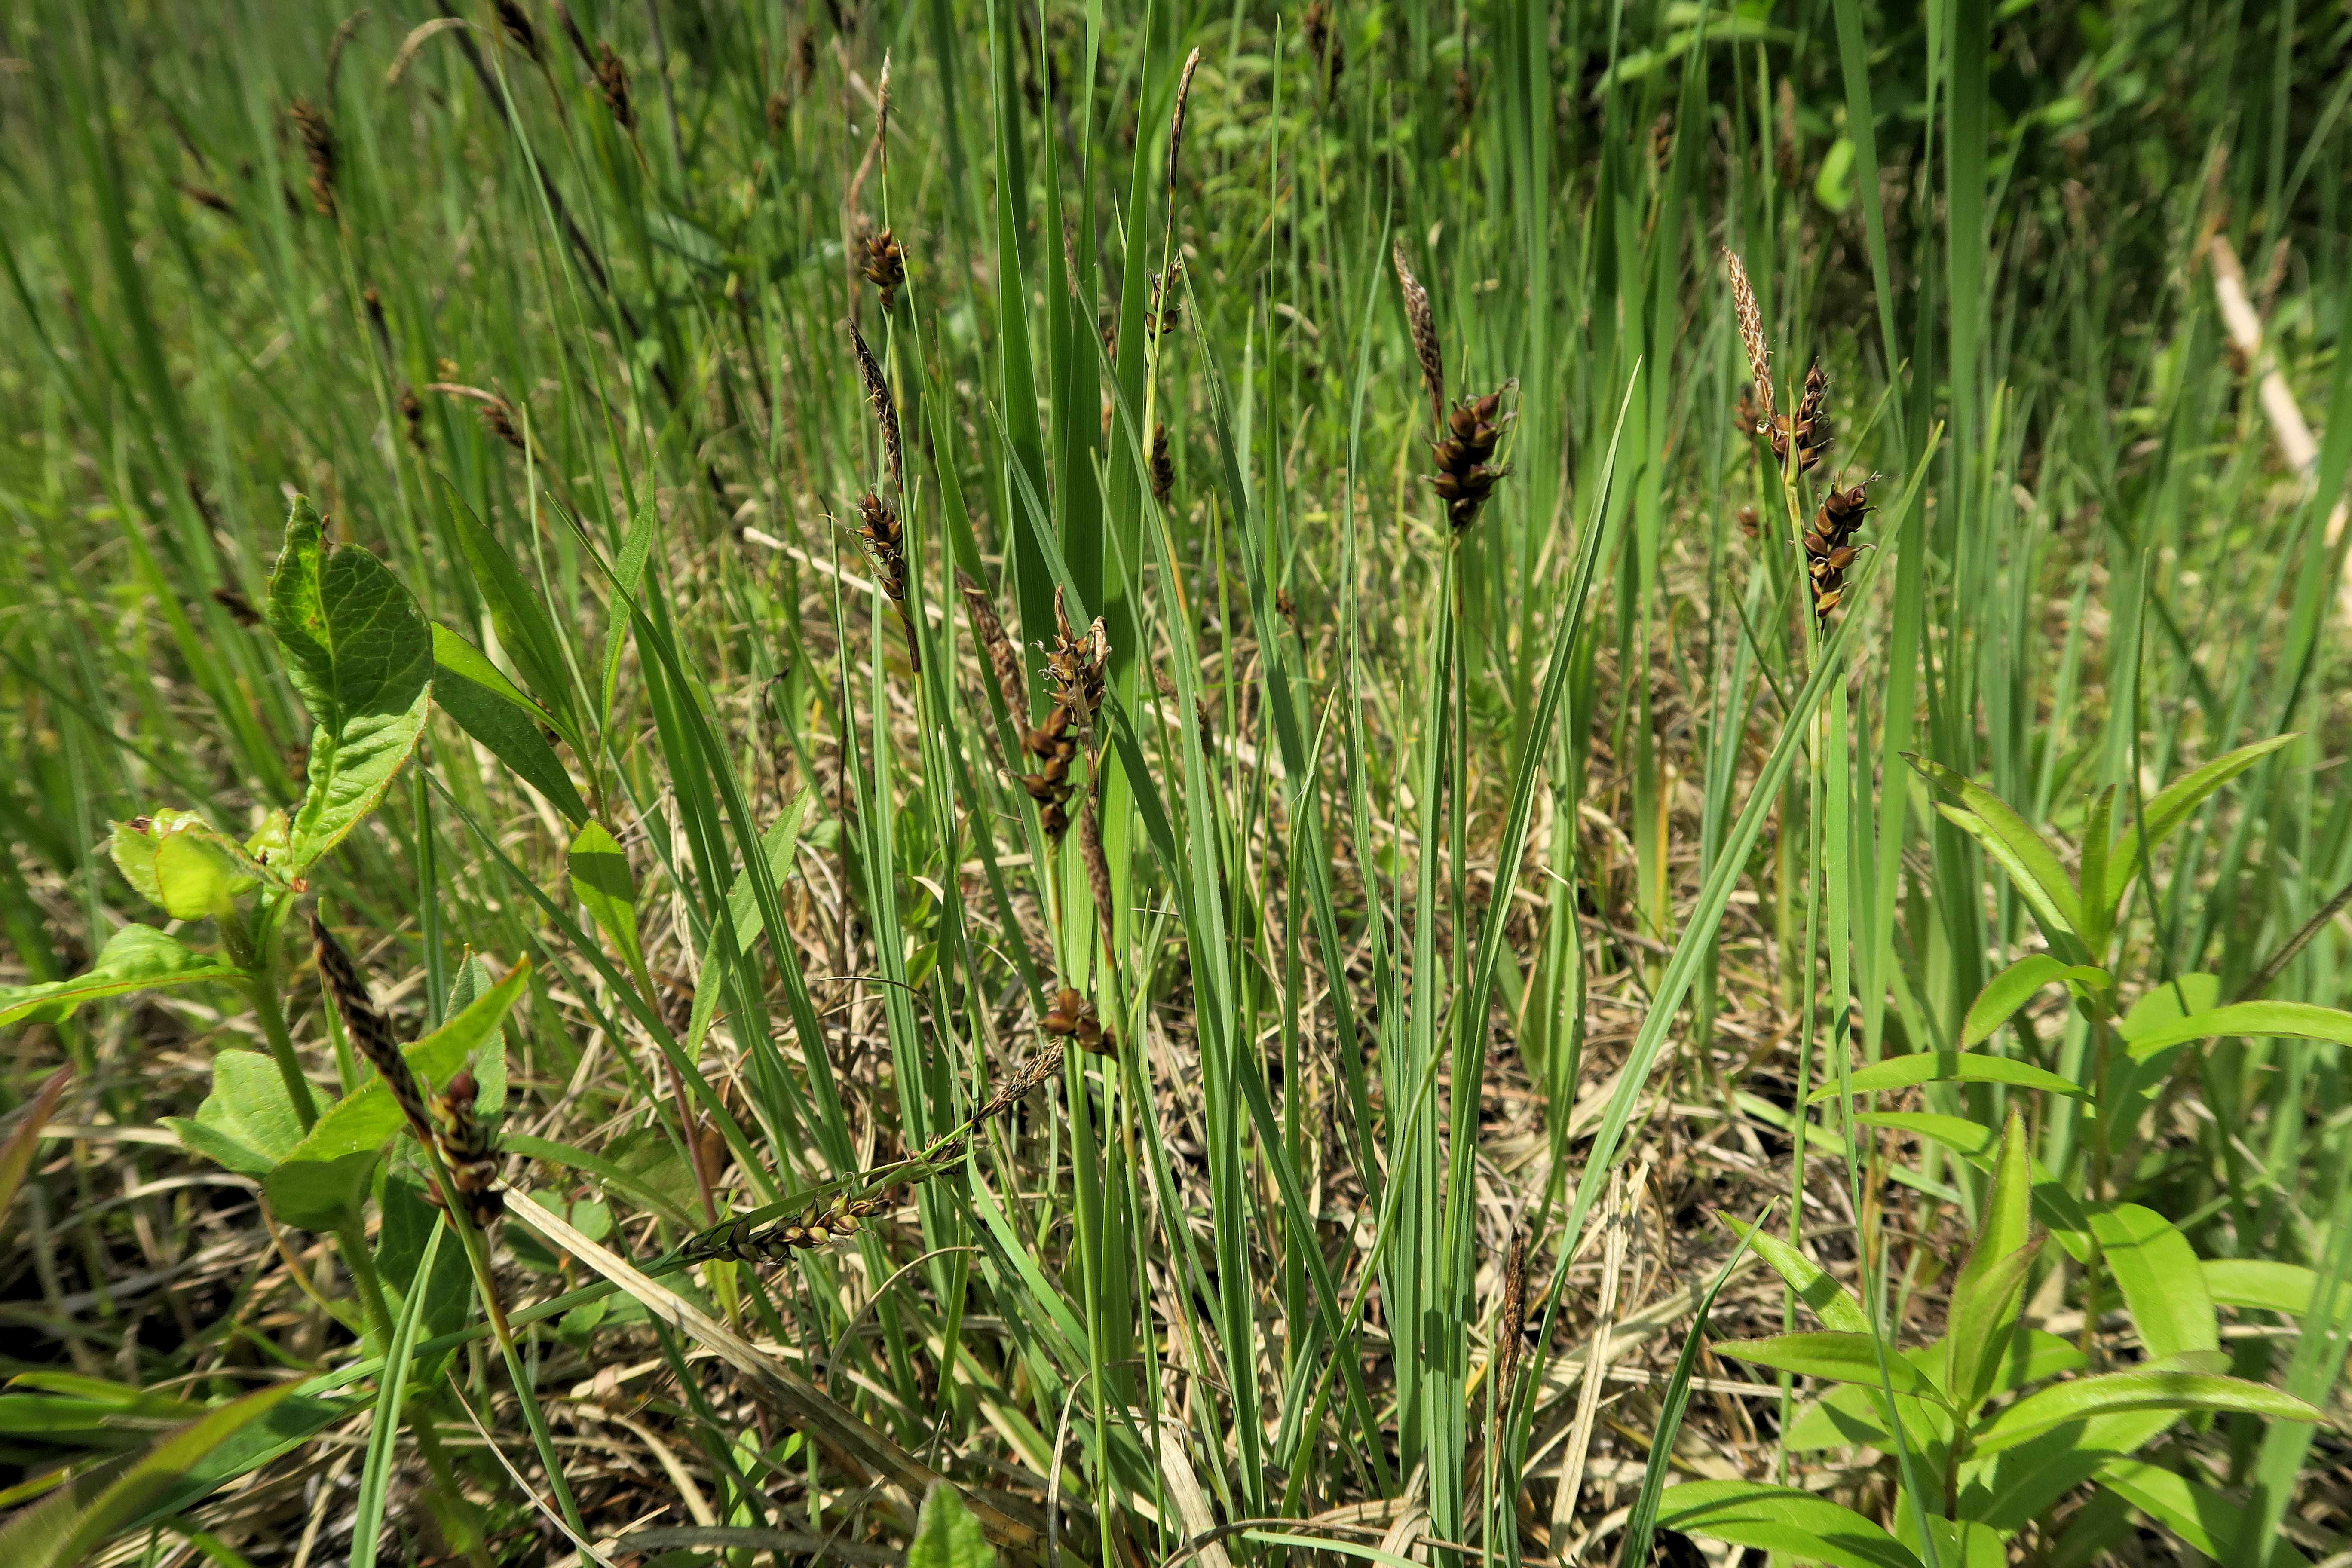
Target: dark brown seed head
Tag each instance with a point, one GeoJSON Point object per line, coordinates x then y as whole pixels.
{"type": "Point", "coordinates": [318, 149]}
{"type": "Point", "coordinates": [1464, 479]}
{"type": "Point", "coordinates": [1512, 1330]}
{"type": "Point", "coordinates": [1176, 123]}
{"type": "Point", "coordinates": [370, 1031]}
{"type": "Point", "coordinates": [613, 83]}
{"type": "Point", "coordinates": [1163, 469]}
{"type": "Point", "coordinates": [499, 416]}
{"type": "Point", "coordinates": [885, 265]}
{"type": "Point", "coordinates": [885, 540]}
{"type": "Point", "coordinates": [518, 28]}
{"type": "Point", "coordinates": [1422, 322]}
{"type": "Point", "coordinates": [1001, 658]}
{"type": "Point", "coordinates": [886, 408]}
{"type": "Point", "coordinates": [1029, 1076]}
{"type": "Point", "coordinates": [412, 413]}
{"type": "Point", "coordinates": [239, 607]}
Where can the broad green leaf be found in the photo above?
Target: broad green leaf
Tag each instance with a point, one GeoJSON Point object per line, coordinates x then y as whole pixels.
{"type": "Point", "coordinates": [2011, 840]}
{"type": "Point", "coordinates": [136, 958]}
{"type": "Point", "coordinates": [2121, 1391]}
{"type": "Point", "coordinates": [947, 1535]}
{"type": "Point", "coordinates": [1831, 1301]}
{"type": "Point", "coordinates": [1948, 1067]}
{"type": "Point", "coordinates": [364, 1118]}
{"type": "Point", "coordinates": [83, 1515]}
{"type": "Point", "coordinates": [1853, 1415]}
{"type": "Point", "coordinates": [1985, 1294]}
{"type": "Point", "coordinates": [2014, 986]}
{"type": "Point", "coordinates": [600, 879]}
{"type": "Point", "coordinates": [361, 658]}
{"type": "Point", "coordinates": [181, 863]}
{"type": "Point", "coordinates": [2162, 1282]}
{"type": "Point", "coordinates": [2288, 1020]}
{"type": "Point", "coordinates": [1779, 1518]}
{"type": "Point", "coordinates": [2172, 806]}
{"type": "Point", "coordinates": [493, 710]}
{"type": "Point", "coordinates": [17, 1153]}
{"type": "Point", "coordinates": [1834, 1356]}
{"type": "Point", "coordinates": [245, 1123]}
{"type": "Point", "coordinates": [319, 1194]}
{"type": "Point", "coordinates": [2201, 1516]}
{"type": "Point", "coordinates": [2284, 1288]}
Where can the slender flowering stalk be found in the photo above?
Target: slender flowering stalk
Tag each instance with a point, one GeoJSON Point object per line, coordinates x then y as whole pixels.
{"type": "Point", "coordinates": [1424, 323]}
{"type": "Point", "coordinates": [1751, 332]}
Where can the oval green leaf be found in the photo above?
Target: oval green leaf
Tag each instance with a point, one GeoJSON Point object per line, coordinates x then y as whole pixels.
{"type": "Point", "coordinates": [136, 958]}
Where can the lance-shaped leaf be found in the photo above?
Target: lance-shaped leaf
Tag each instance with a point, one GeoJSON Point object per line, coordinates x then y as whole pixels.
{"type": "Point", "coordinates": [602, 880]}
{"type": "Point", "coordinates": [2011, 840]}
{"type": "Point", "coordinates": [2286, 1020]}
{"type": "Point", "coordinates": [1985, 1295]}
{"type": "Point", "coordinates": [1783, 1520]}
{"type": "Point", "coordinates": [2172, 806]}
{"type": "Point", "coordinates": [136, 958]}
{"type": "Point", "coordinates": [494, 710]}
{"type": "Point", "coordinates": [2162, 1282]}
{"type": "Point", "coordinates": [2005, 993]}
{"type": "Point", "coordinates": [1947, 1066]}
{"type": "Point", "coordinates": [2119, 1391]}
{"type": "Point", "coordinates": [1834, 1356]}
{"type": "Point", "coordinates": [361, 658]}
{"type": "Point", "coordinates": [1831, 1301]}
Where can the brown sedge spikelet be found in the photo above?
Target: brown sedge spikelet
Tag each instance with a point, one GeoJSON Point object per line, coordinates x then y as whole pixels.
{"type": "Point", "coordinates": [498, 418]}
{"type": "Point", "coordinates": [1001, 658]}
{"type": "Point", "coordinates": [1812, 430]}
{"type": "Point", "coordinates": [1424, 323]}
{"type": "Point", "coordinates": [1073, 1018]}
{"type": "Point", "coordinates": [1511, 1332]}
{"type": "Point", "coordinates": [468, 1151]}
{"type": "Point", "coordinates": [886, 408]}
{"type": "Point", "coordinates": [1751, 333]}
{"type": "Point", "coordinates": [1023, 1080]}
{"type": "Point", "coordinates": [377, 323]}
{"type": "Point", "coordinates": [1464, 479]}
{"type": "Point", "coordinates": [318, 149]}
{"type": "Point", "coordinates": [518, 28]}
{"type": "Point", "coordinates": [1829, 549]}
{"type": "Point", "coordinates": [885, 539]}
{"type": "Point", "coordinates": [612, 86]}
{"type": "Point", "coordinates": [885, 265]}
{"type": "Point", "coordinates": [1163, 467]}
{"type": "Point", "coordinates": [1176, 122]}
{"type": "Point", "coordinates": [240, 608]}
{"type": "Point", "coordinates": [817, 1226]}
{"type": "Point", "coordinates": [370, 1031]}
{"type": "Point", "coordinates": [1097, 864]}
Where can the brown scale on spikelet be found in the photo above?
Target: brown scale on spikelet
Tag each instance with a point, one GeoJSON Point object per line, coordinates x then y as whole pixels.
{"type": "Point", "coordinates": [468, 1151]}
{"type": "Point", "coordinates": [1163, 467]}
{"type": "Point", "coordinates": [1097, 864]}
{"type": "Point", "coordinates": [1830, 551]}
{"type": "Point", "coordinates": [1464, 479]}
{"type": "Point", "coordinates": [319, 149]}
{"type": "Point", "coordinates": [1811, 431]}
{"type": "Point", "coordinates": [1422, 321]}
{"type": "Point", "coordinates": [1073, 1018]}
{"type": "Point", "coordinates": [747, 1241]}
{"type": "Point", "coordinates": [498, 418]}
{"type": "Point", "coordinates": [885, 265]}
{"type": "Point", "coordinates": [1076, 666]}
{"type": "Point", "coordinates": [1750, 521]}
{"type": "Point", "coordinates": [779, 108]}
{"type": "Point", "coordinates": [1511, 1332]}
{"type": "Point", "coordinates": [1024, 1081]}
{"type": "Point", "coordinates": [885, 539]}
{"type": "Point", "coordinates": [612, 86]}
{"type": "Point", "coordinates": [1751, 340]}
{"type": "Point", "coordinates": [1167, 312]}
{"type": "Point", "coordinates": [370, 1031]}
{"type": "Point", "coordinates": [205, 197]}
{"type": "Point", "coordinates": [1001, 658]}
